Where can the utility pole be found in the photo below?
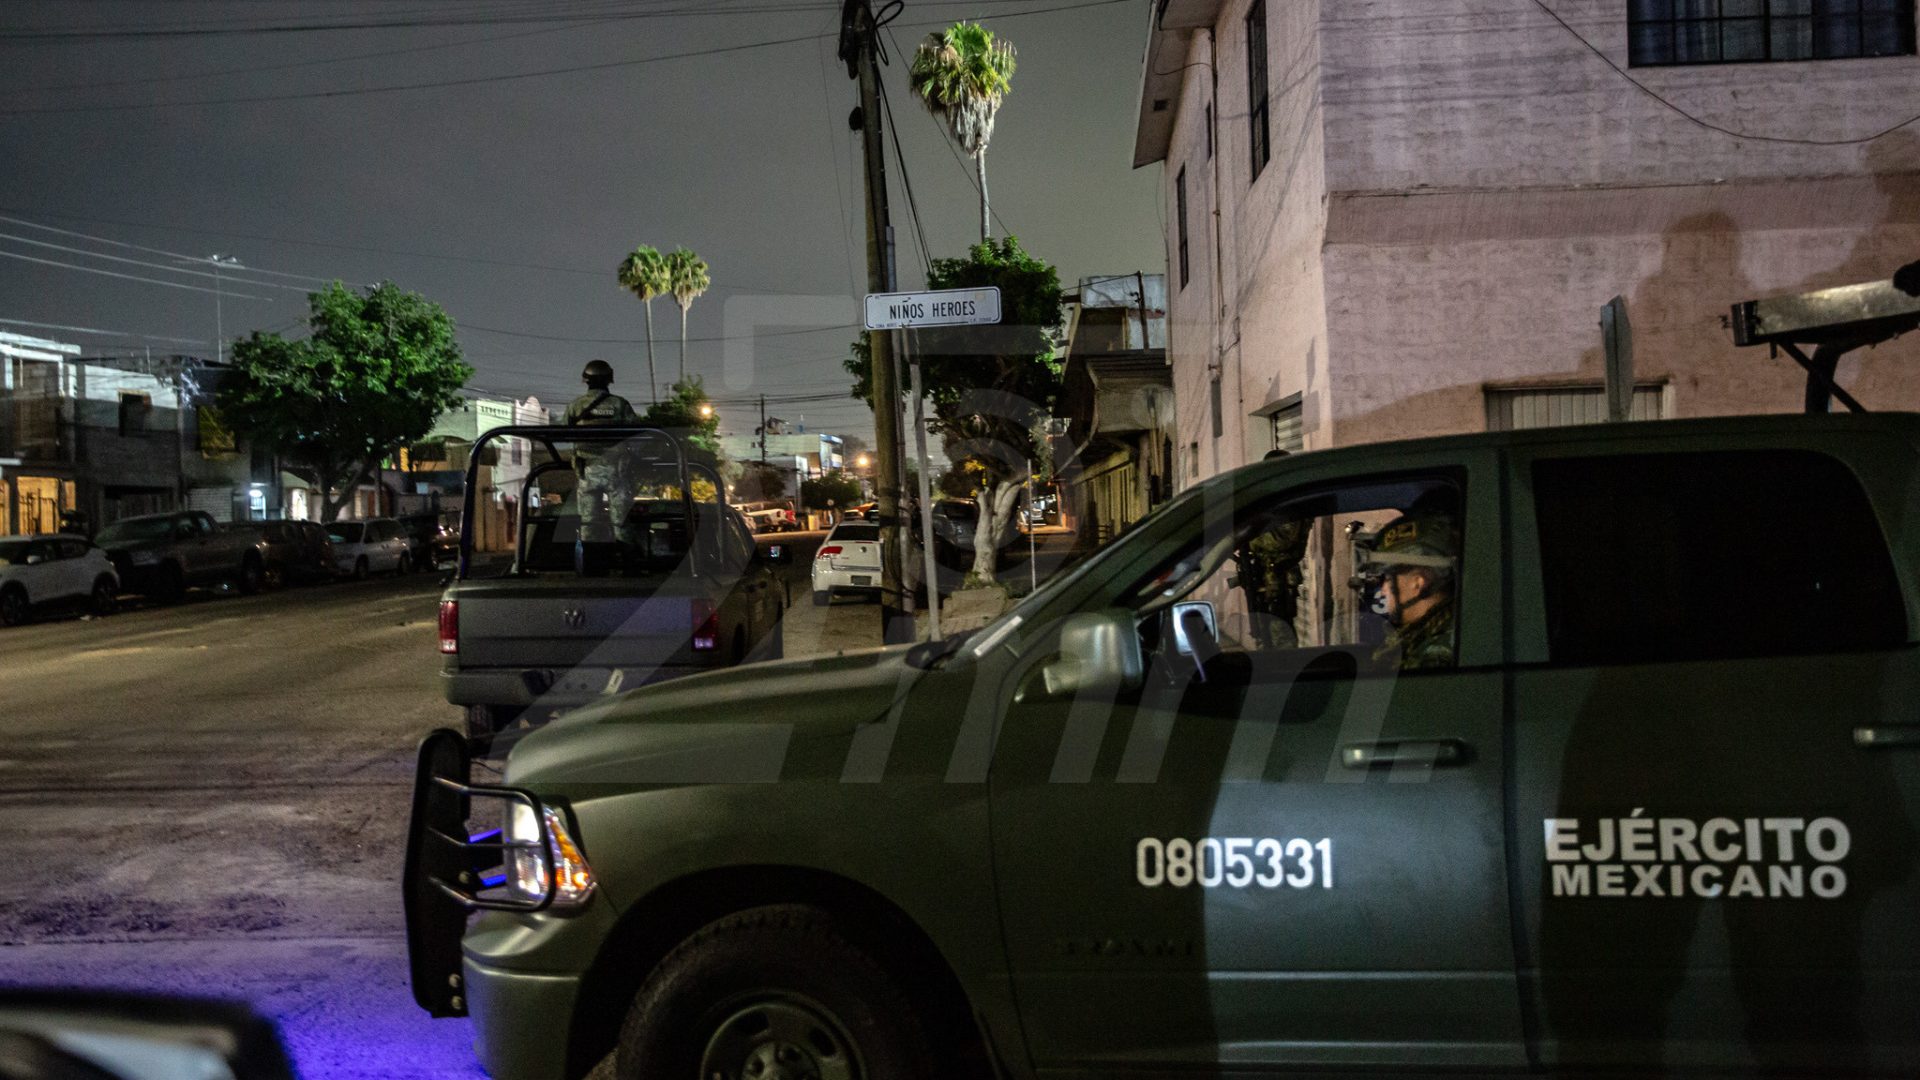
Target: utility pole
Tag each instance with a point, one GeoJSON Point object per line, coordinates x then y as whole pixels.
{"type": "Point", "coordinates": [763, 429]}
{"type": "Point", "coordinates": [219, 318]}
{"type": "Point", "coordinates": [858, 47]}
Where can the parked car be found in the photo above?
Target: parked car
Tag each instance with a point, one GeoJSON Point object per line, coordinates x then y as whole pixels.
{"type": "Point", "coordinates": [295, 551]}
{"type": "Point", "coordinates": [955, 524]}
{"type": "Point", "coordinates": [55, 570]}
{"type": "Point", "coordinates": [432, 543]}
{"type": "Point", "coordinates": [848, 561]}
{"type": "Point", "coordinates": [161, 555]}
{"type": "Point", "coordinates": [373, 546]}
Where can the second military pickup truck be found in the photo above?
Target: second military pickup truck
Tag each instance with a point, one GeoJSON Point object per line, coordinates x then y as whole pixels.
{"type": "Point", "coordinates": [1587, 751]}
{"type": "Point", "coordinates": [625, 567]}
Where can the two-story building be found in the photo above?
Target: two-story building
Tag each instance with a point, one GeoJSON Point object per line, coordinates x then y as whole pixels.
{"type": "Point", "coordinates": [1389, 218]}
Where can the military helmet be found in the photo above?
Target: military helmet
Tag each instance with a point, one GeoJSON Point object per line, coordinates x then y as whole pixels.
{"type": "Point", "coordinates": [1424, 542]}
{"type": "Point", "coordinates": [598, 374]}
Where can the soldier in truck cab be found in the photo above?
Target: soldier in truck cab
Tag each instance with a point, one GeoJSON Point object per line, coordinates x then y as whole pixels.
{"type": "Point", "coordinates": [1410, 575]}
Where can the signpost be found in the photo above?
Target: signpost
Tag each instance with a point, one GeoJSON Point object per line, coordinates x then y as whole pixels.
{"type": "Point", "coordinates": [906, 312]}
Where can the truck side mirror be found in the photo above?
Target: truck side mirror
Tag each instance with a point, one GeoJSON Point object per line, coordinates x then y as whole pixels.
{"type": "Point", "coordinates": [1099, 651]}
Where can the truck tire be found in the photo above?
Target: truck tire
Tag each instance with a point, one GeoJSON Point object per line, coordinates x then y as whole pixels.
{"type": "Point", "coordinates": [105, 598]}
{"type": "Point", "coordinates": [252, 575]}
{"type": "Point", "coordinates": [775, 990]}
{"type": "Point", "coordinates": [360, 568]}
{"type": "Point", "coordinates": [13, 606]}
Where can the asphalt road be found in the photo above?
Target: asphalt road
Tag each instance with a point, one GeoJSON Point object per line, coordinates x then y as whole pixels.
{"type": "Point", "coordinates": [211, 799]}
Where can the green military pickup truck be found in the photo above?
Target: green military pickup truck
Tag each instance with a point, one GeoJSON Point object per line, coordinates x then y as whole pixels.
{"type": "Point", "coordinates": [1588, 751]}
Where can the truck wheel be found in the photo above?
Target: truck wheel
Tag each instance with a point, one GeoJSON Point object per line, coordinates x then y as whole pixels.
{"type": "Point", "coordinates": [251, 576]}
{"type": "Point", "coordinates": [13, 606]}
{"type": "Point", "coordinates": [105, 599]}
{"type": "Point", "coordinates": [483, 723]}
{"type": "Point", "coordinates": [360, 568]}
{"type": "Point", "coordinates": [772, 991]}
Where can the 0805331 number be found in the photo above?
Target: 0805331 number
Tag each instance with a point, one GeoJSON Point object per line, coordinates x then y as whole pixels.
{"type": "Point", "coordinates": [1236, 862]}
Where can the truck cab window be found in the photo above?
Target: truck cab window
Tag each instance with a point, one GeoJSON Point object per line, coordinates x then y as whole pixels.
{"type": "Point", "coordinates": [1373, 569]}
{"type": "Point", "coordinates": [1773, 553]}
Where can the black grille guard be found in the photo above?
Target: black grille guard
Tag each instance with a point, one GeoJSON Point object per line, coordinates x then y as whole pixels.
{"type": "Point", "coordinates": [451, 872]}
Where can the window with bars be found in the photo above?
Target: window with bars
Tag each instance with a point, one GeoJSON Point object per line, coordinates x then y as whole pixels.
{"type": "Point", "coordinates": [1257, 85]}
{"type": "Point", "coordinates": [1180, 212]}
{"type": "Point", "coordinates": [1670, 32]}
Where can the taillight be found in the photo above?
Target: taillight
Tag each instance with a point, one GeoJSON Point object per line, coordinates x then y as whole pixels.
{"type": "Point", "coordinates": [830, 550]}
{"type": "Point", "coordinates": [449, 626]}
{"type": "Point", "coordinates": [706, 626]}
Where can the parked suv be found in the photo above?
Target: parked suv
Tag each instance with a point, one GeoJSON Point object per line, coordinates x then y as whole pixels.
{"type": "Point", "coordinates": [57, 570]}
{"type": "Point", "coordinates": [1562, 752]}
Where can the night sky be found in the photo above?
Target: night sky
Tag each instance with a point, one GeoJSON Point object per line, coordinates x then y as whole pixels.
{"type": "Point", "coordinates": [510, 200]}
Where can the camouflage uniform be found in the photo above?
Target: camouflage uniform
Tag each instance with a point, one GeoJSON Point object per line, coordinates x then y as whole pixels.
{"type": "Point", "coordinates": [1427, 643]}
{"type": "Point", "coordinates": [1430, 544]}
{"type": "Point", "coordinates": [1269, 567]}
{"type": "Point", "coordinates": [602, 470]}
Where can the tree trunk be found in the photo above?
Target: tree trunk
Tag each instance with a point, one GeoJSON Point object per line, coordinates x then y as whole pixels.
{"type": "Point", "coordinates": [996, 509]}
{"type": "Point", "coordinates": [986, 219]}
{"type": "Point", "coordinates": [330, 507]}
{"type": "Point", "coordinates": [683, 344]}
{"type": "Point", "coordinates": [653, 382]}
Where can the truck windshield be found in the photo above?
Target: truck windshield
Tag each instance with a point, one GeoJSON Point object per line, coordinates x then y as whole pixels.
{"type": "Point", "coordinates": [137, 529]}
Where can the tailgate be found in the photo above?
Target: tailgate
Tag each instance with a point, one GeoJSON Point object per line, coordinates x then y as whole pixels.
{"type": "Point", "coordinates": [573, 622]}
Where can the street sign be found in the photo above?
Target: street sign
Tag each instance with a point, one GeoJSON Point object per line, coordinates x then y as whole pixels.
{"type": "Point", "coordinates": [946, 307]}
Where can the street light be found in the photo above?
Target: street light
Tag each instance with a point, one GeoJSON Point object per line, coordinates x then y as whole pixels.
{"type": "Point", "coordinates": [862, 461]}
{"type": "Point", "coordinates": [219, 327]}
{"type": "Point", "coordinates": [706, 410]}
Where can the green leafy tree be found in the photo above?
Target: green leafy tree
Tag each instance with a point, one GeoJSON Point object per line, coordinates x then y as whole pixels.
{"type": "Point", "coordinates": [373, 373]}
{"type": "Point", "coordinates": [759, 481]}
{"type": "Point", "coordinates": [687, 409]}
{"type": "Point", "coordinates": [836, 490]}
{"type": "Point", "coordinates": [688, 277]}
{"type": "Point", "coordinates": [962, 74]}
{"type": "Point", "coordinates": [988, 386]}
{"type": "Point", "coordinates": [644, 273]}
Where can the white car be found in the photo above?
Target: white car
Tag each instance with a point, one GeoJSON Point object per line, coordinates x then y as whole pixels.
{"type": "Point", "coordinates": [52, 571]}
{"type": "Point", "coordinates": [373, 546]}
{"type": "Point", "coordinates": [848, 561]}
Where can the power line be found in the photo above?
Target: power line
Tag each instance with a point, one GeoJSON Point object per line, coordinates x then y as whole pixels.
{"type": "Point", "coordinates": [151, 251]}
{"type": "Point", "coordinates": [131, 277]}
{"type": "Point", "coordinates": [362, 249]}
{"type": "Point", "coordinates": [906, 180]}
{"type": "Point", "coordinates": [151, 265]}
{"type": "Point", "coordinates": [103, 333]}
{"type": "Point", "coordinates": [643, 341]}
{"type": "Point", "coordinates": [53, 87]}
{"type": "Point", "coordinates": [180, 30]}
{"type": "Point", "coordinates": [482, 79]}
{"type": "Point", "coordinates": [1704, 123]}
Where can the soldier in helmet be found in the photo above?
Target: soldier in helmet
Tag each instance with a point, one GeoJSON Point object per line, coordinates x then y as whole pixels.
{"type": "Point", "coordinates": [602, 470]}
{"type": "Point", "coordinates": [1410, 574]}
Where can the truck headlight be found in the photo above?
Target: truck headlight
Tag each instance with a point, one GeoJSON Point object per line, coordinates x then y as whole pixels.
{"type": "Point", "coordinates": [559, 865]}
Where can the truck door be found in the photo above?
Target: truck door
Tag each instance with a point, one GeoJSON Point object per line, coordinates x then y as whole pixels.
{"type": "Point", "coordinates": [1715, 781]}
{"type": "Point", "coordinates": [1281, 850]}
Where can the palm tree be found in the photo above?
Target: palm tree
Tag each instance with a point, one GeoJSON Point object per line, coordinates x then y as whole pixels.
{"type": "Point", "coordinates": [687, 275]}
{"type": "Point", "coordinates": [962, 75]}
{"type": "Point", "coordinates": [644, 274]}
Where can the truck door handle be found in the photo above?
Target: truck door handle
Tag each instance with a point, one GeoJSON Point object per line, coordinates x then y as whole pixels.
{"type": "Point", "coordinates": [1429, 752]}
{"type": "Point", "coordinates": [1887, 737]}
